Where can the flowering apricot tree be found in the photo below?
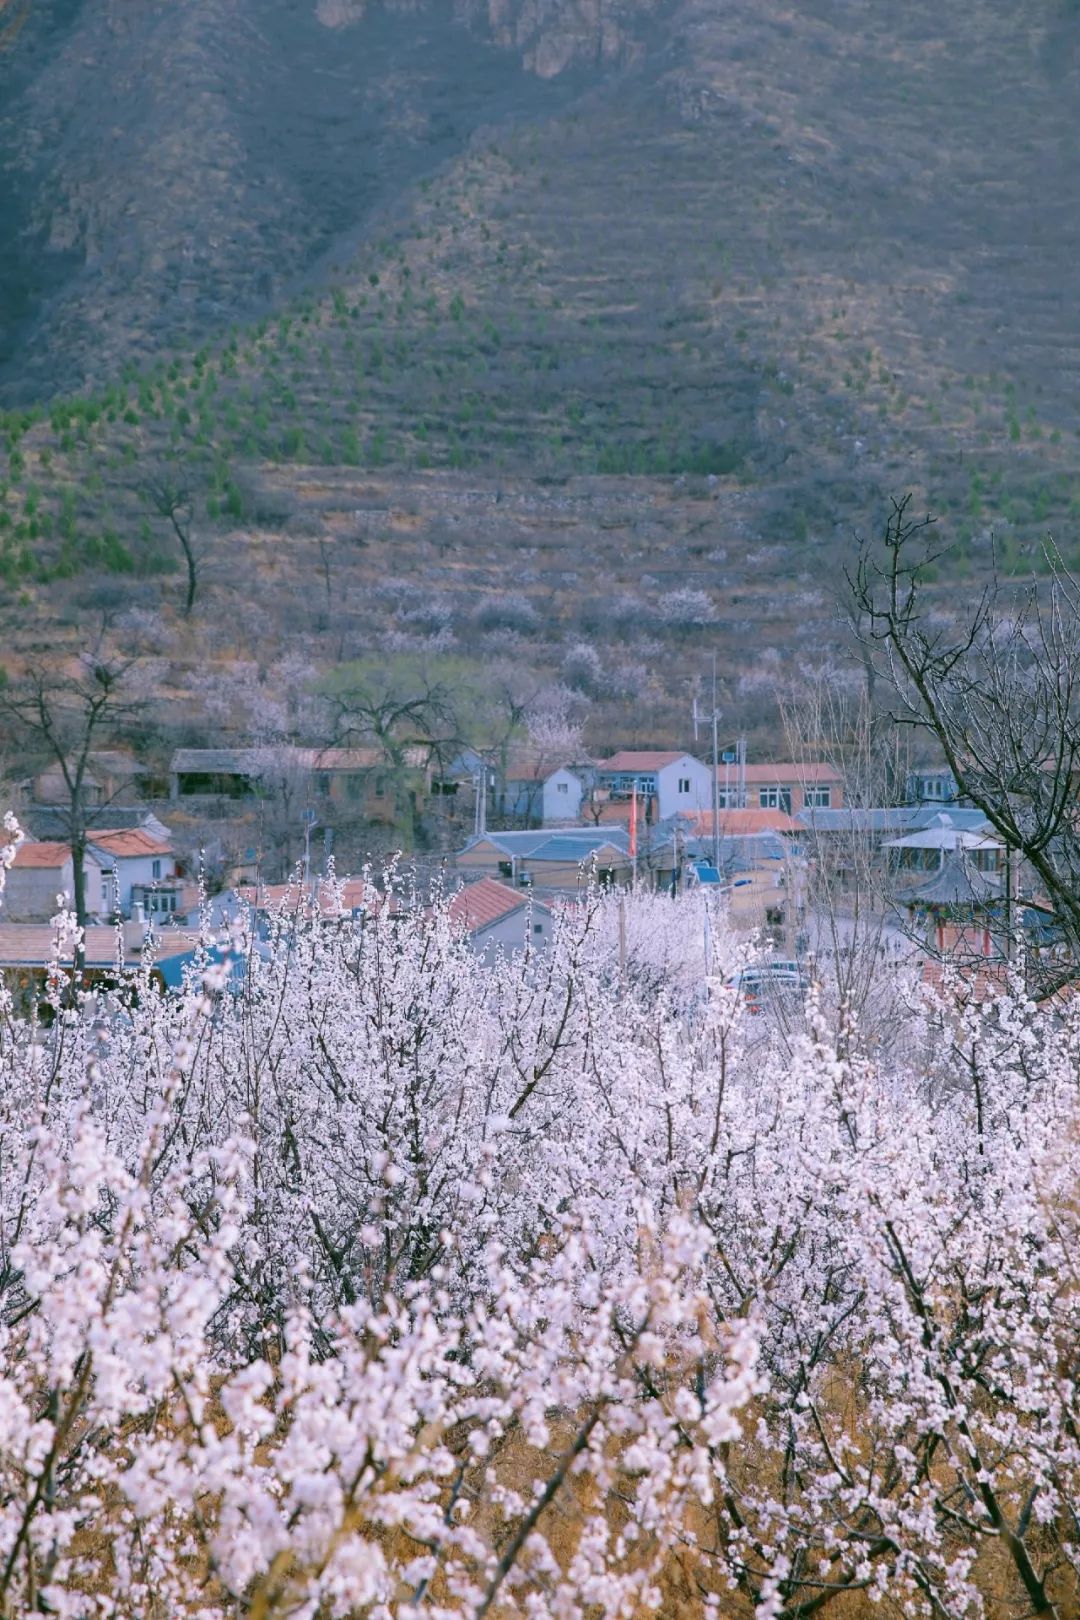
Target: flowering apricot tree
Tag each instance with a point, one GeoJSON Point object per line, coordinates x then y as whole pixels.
{"type": "Point", "coordinates": [363, 1278]}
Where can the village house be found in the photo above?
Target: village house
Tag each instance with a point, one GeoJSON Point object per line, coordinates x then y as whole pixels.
{"type": "Point", "coordinates": [344, 782]}
{"type": "Point", "coordinates": [43, 871]}
{"type": "Point", "coordinates": [351, 897]}
{"type": "Point", "coordinates": [665, 782]}
{"type": "Point", "coordinates": [27, 953]}
{"type": "Point", "coordinates": [740, 823]}
{"type": "Point", "coordinates": [931, 784]}
{"type": "Point", "coordinates": [563, 861]}
{"type": "Point", "coordinates": [926, 850]}
{"type": "Point", "coordinates": [852, 839]}
{"type": "Point", "coordinates": [112, 777]}
{"type": "Point", "coordinates": [787, 787]}
{"type": "Point", "coordinates": [139, 870]}
{"type": "Point", "coordinates": [761, 874]}
{"type": "Point", "coordinates": [498, 918]}
{"type": "Point", "coordinates": [536, 793]}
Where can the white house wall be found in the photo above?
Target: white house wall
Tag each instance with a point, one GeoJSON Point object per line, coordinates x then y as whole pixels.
{"type": "Point", "coordinates": [559, 806]}
{"type": "Point", "coordinates": [31, 891]}
{"type": "Point", "coordinates": [513, 932]}
{"type": "Point", "coordinates": [138, 870]}
{"type": "Point", "coordinates": [670, 800]}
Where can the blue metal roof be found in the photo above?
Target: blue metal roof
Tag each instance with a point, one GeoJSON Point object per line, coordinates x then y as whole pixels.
{"type": "Point", "coordinates": [885, 819]}
{"type": "Point", "coordinates": [580, 841]}
{"type": "Point", "coordinates": [564, 847]}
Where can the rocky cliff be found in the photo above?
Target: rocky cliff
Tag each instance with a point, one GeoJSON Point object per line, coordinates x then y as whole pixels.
{"type": "Point", "coordinates": [166, 168]}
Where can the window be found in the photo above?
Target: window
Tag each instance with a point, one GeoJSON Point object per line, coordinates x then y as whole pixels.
{"type": "Point", "coordinates": [562, 787]}
{"type": "Point", "coordinates": [684, 784]}
{"type": "Point", "coordinates": [380, 786]}
{"type": "Point", "coordinates": [538, 928]}
{"type": "Point", "coordinates": [354, 787]}
{"type": "Point", "coordinates": [769, 798]}
{"type": "Point", "coordinates": [817, 798]}
{"type": "Point", "coordinates": [506, 869]}
{"type": "Point", "coordinates": [322, 784]}
{"type": "Point", "coordinates": [155, 870]}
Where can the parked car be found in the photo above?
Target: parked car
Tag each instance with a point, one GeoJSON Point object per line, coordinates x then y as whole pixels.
{"type": "Point", "coordinates": [770, 981]}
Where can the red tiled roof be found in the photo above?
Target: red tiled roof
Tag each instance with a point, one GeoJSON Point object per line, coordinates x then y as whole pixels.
{"type": "Point", "coordinates": [739, 823]}
{"type": "Point", "coordinates": [128, 842]}
{"type": "Point", "coordinates": [30, 945]}
{"type": "Point", "coordinates": [345, 896]}
{"type": "Point", "coordinates": [484, 902]}
{"type": "Point", "coordinates": [630, 759]}
{"type": "Point", "coordinates": [767, 775]}
{"type": "Point", "coordinates": [44, 856]}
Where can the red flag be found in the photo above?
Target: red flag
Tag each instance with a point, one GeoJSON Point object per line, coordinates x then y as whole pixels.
{"type": "Point", "coordinates": [633, 823]}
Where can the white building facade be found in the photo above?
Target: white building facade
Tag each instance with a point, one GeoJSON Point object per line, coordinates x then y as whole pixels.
{"type": "Point", "coordinates": [563, 794]}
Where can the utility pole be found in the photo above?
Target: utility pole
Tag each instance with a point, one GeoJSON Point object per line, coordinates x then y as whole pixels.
{"type": "Point", "coordinates": [480, 811]}
{"type": "Point", "coordinates": [715, 767]}
{"type": "Point", "coordinates": [311, 821]}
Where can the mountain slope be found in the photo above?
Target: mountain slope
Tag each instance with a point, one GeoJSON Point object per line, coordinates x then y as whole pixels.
{"type": "Point", "coordinates": [683, 320]}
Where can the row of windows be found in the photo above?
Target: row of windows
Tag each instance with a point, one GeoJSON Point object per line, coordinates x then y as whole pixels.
{"type": "Point", "coordinates": [779, 798]}
{"type": "Point", "coordinates": [935, 787]}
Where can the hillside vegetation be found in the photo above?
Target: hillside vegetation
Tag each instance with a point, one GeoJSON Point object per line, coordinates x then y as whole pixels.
{"type": "Point", "coordinates": [605, 311]}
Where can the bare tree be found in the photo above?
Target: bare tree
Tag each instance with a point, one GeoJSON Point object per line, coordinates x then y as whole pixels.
{"type": "Point", "coordinates": [171, 498]}
{"type": "Point", "coordinates": [997, 692]}
{"type": "Point", "coordinates": [63, 716]}
{"type": "Point", "coordinates": [850, 924]}
{"type": "Point", "coordinates": [397, 706]}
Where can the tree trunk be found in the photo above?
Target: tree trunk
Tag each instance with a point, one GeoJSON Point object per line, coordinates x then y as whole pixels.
{"type": "Point", "coordinates": [78, 864]}
{"type": "Point", "coordinates": [192, 578]}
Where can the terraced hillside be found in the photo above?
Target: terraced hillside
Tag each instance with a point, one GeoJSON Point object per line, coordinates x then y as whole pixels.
{"type": "Point", "coordinates": [680, 327]}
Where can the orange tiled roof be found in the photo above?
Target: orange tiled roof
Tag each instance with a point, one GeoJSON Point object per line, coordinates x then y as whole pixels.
{"type": "Point", "coordinates": [484, 902]}
{"type": "Point", "coordinates": [45, 856]}
{"type": "Point", "coordinates": [347, 895]}
{"type": "Point", "coordinates": [741, 823]}
{"type": "Point", "coordinates": [129, 841]}
{"type": "Point", "coordinates": [643, 759]}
